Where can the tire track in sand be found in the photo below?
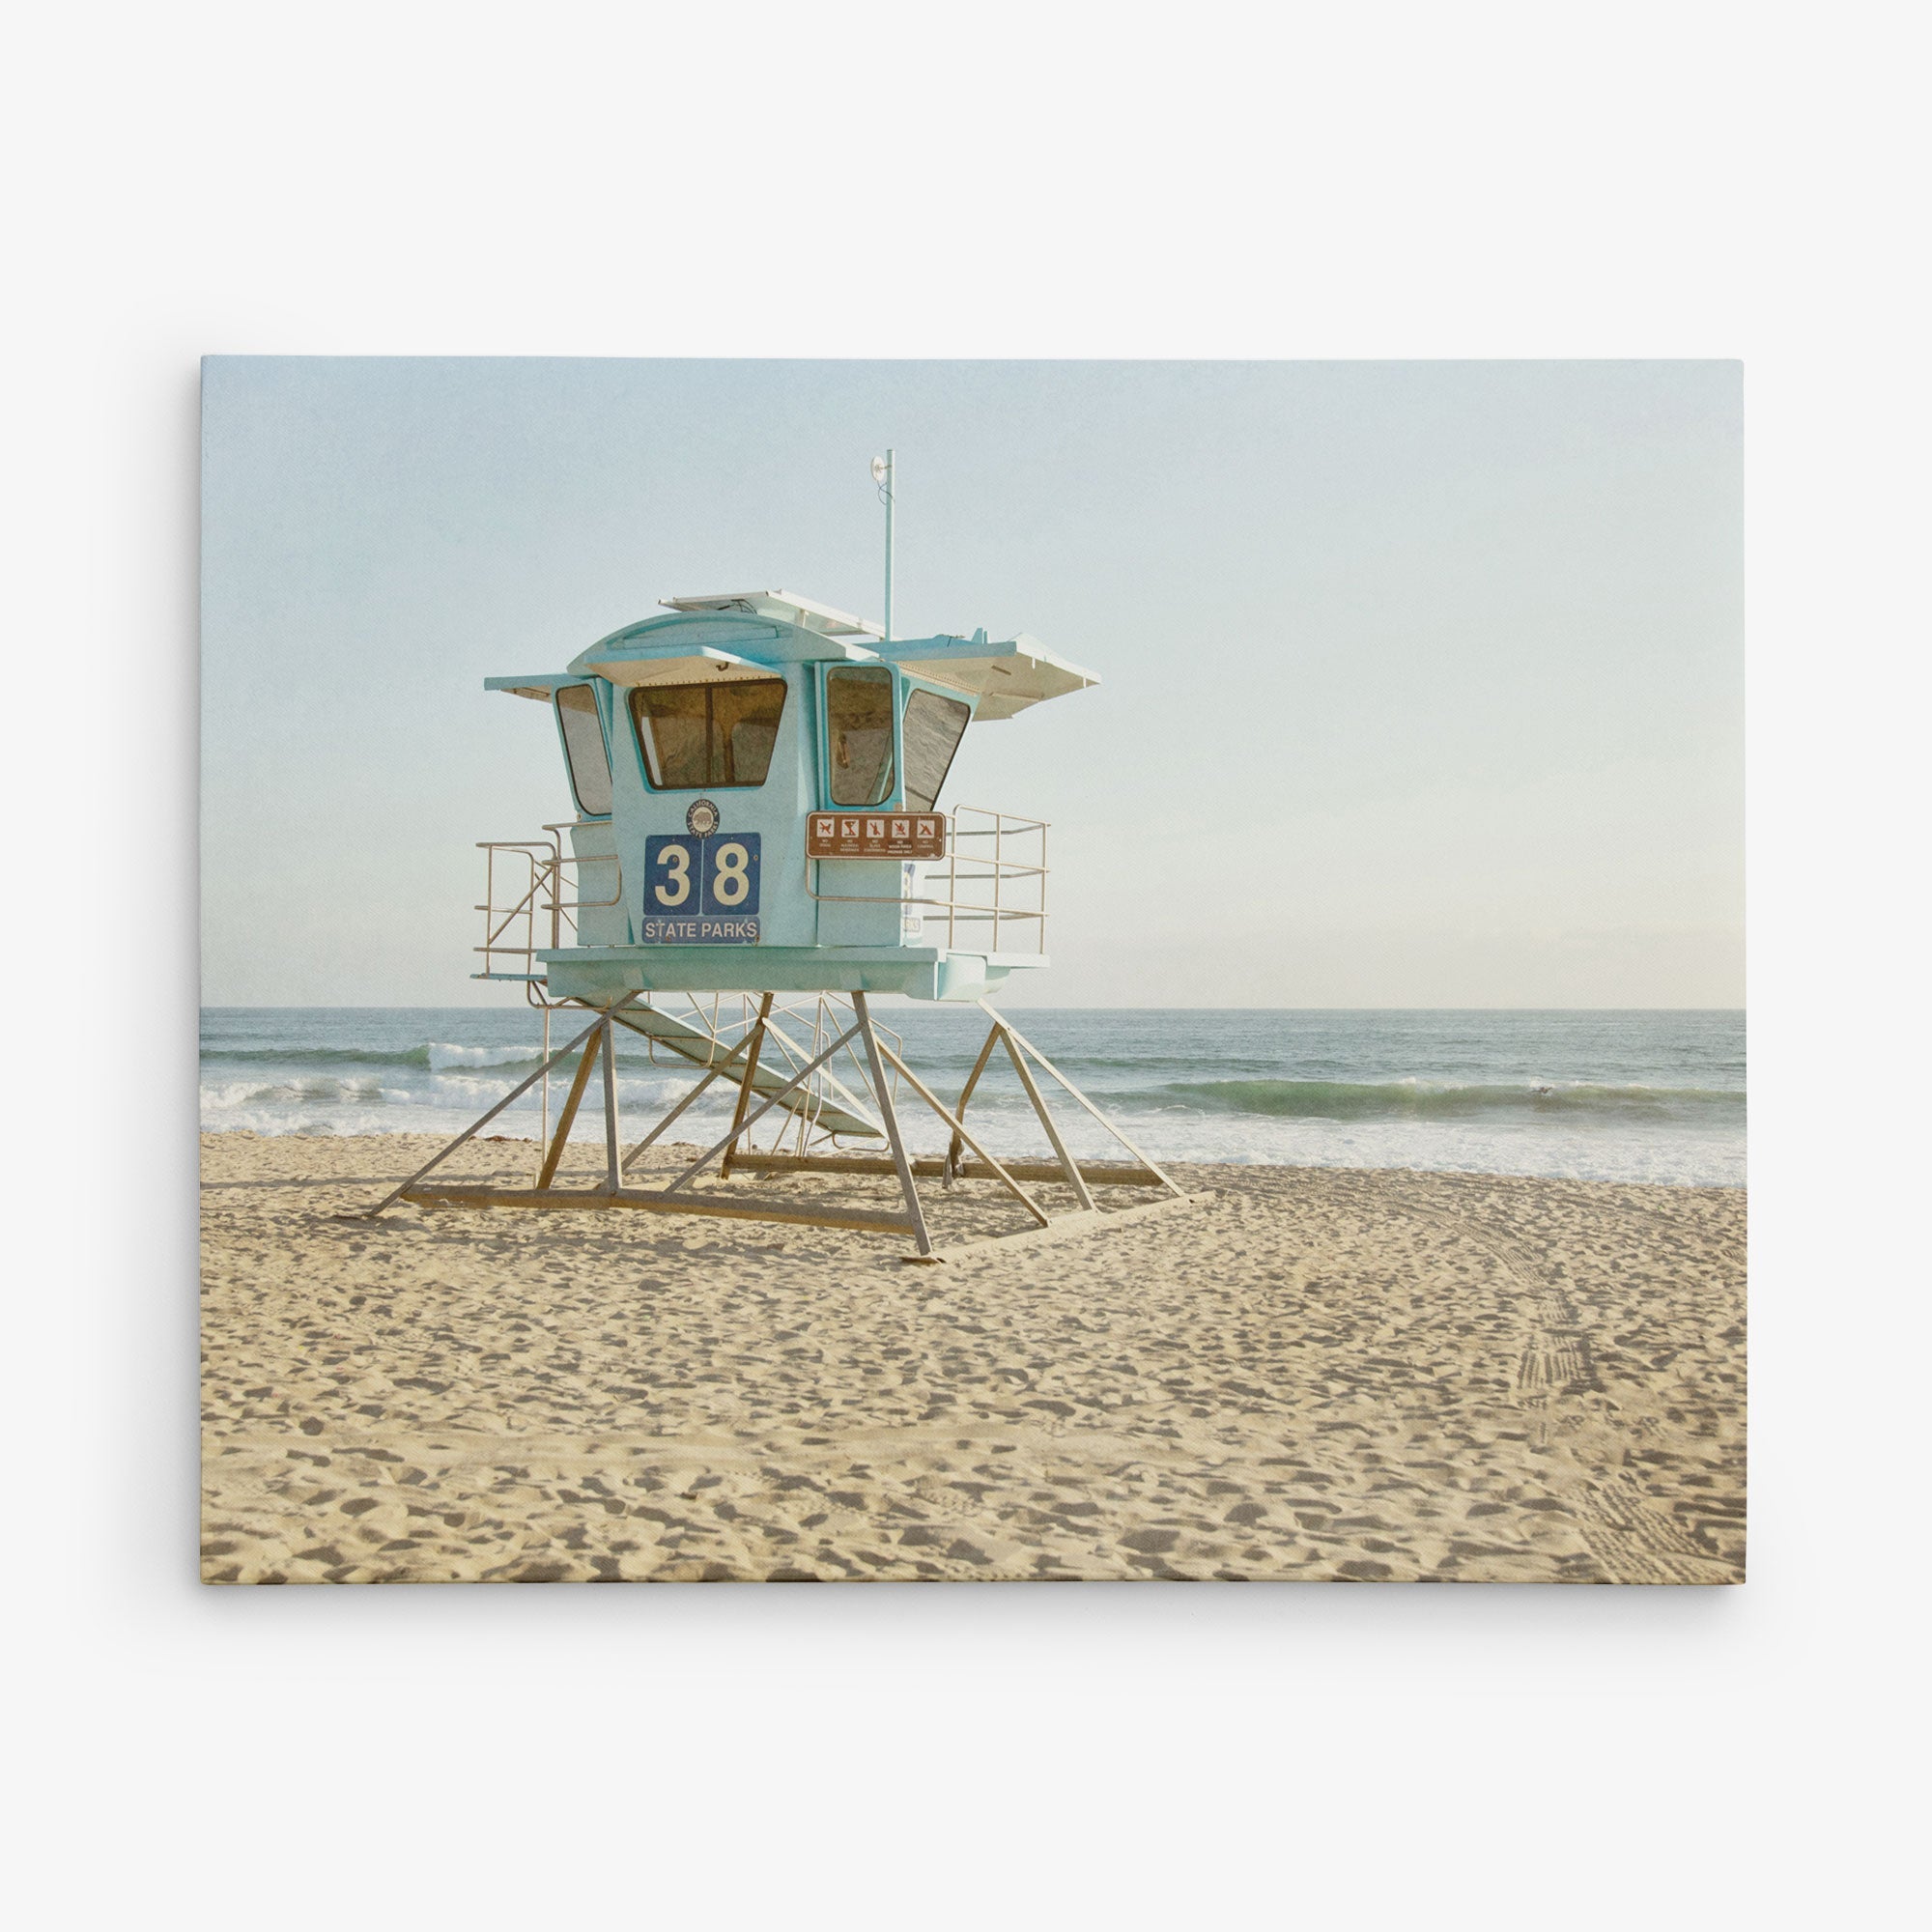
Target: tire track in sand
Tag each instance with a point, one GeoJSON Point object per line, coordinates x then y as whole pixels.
{"type": "Point", "coordinates": [1632, 1541]}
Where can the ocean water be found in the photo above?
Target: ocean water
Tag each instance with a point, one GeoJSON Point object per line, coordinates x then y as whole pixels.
{"type": "Point", "coordinates": [1655, 1096]}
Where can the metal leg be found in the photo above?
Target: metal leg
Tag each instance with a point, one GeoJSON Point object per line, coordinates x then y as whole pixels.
{"type": "Point", "coordinates": [798, 1079]}
{"type": "Point", "coordinates": [965, 1095]}
{"type": "Point", "coordinates": [613, 1178]}
{"type": "Point", "coordinates": [1070, 1166]}
{"type": "Point", "coordinates": [847, 1097]}
{"type": "Point", "coordinates": [802, 1120]}
{"type": "Point", "coordinates": [921, 1239]}
{"type": "Point", "coordinates": [828, 1082]}
{"type": "Point", "coordinates": [470, 1132]}
{"type": "Point", "coordinates": [745, 1086]}
{"type": "Point", "coordinates": [543, 1129]}
{"type": "Point", "coordinates": [953, 1121]}
{"type": "Point", "coordinates": [567, 1118]}
{"type": "Point", "coordinates": [1019, 1039]}
{"type": "Point", "coordinates": [876, 1070]}
{"type": "Point", "coordinates": [687, 1100]}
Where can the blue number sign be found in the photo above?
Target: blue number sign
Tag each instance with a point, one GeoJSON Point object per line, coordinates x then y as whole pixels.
{"type": "Point", "coordinates": [702, 891]}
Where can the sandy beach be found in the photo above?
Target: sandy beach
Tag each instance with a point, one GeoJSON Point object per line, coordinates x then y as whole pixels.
{"type": "Point", "coordinates": [1317, 1375]}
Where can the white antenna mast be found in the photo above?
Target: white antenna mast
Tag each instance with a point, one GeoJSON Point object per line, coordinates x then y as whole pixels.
{"type": "Point", "coordinates": [882, 475]}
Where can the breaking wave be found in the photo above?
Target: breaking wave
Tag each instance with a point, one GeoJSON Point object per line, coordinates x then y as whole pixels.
{"type": "Point", "coordinates": [1407, 1099]}
{"type": "Point", "coordinates": [437, 1056]}
{"type": "Point", "coordinates": [1614, 1096]}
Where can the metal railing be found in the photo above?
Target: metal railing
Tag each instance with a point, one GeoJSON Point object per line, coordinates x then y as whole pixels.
{"type": "Point", "coordinates": [989, 889]}
{"type": "Point", "coordinates": [993, 874]}
{"type": "Point", "coordinates": [525, 904]}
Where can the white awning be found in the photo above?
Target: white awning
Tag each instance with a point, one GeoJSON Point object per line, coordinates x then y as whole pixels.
{"type": "Point", "coordinates": [1005, 678]}
{"type": "Point", "coordinates": [541, 685]}
{"type": "Point", "coordinates": [783, 605]}
{"type": "Point", "coordinates": [692, 665]}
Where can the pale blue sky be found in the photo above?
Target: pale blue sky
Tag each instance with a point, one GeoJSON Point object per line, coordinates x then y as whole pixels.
{"type": "Point", "coordinates": [1422, 682]}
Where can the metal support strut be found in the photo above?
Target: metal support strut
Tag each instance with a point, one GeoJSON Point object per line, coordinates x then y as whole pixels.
{"type": "Point", "coordinates": [804, 1092]}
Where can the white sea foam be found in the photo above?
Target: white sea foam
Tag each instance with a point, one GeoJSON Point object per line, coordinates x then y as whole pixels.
{"type": "Point", "coordinates": [442, 1056]}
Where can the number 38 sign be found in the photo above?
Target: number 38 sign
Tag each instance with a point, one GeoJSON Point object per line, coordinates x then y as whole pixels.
{"type": "Point", "coordinates": [702, 891]}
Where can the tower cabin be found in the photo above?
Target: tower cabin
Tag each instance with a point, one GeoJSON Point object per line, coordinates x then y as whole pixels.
{"type": "Point", "coordinates": [759, 788]}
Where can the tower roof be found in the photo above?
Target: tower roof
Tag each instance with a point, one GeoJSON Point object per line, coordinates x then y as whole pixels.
{"type": "Point", "coordinates": [743, 634]}
{"type": "Point", "coordinates": [804, 612]}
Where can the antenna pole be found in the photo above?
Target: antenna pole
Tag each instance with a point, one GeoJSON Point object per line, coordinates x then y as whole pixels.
{"type": "Point", "coordinates": [888, 545]}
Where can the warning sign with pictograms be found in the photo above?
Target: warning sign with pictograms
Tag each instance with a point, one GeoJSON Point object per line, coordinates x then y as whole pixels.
{"type": "Point", "coordinates": [875, 834]}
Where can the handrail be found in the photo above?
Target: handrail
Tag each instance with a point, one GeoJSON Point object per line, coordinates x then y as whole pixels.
{"type": "Point", "coordinates": [967, 869]}
{"type": "Point", "coordinates": [964, 887]}
{"type": "Point", "coordinates": [542, 898]}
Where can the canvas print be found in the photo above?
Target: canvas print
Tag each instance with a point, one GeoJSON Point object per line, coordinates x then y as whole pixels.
{"type": "Point", "coordinates": [972, 972]}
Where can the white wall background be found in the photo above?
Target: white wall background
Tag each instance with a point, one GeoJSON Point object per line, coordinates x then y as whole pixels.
{"type": "Point", "coordinates": [1682, 181]}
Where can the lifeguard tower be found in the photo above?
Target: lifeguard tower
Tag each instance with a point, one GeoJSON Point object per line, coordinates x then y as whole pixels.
{"type": "Point", "coordinates": [760, 845]}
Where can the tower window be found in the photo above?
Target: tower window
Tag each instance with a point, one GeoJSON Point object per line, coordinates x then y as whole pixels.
{"type": "Point", "coordinates": [933, 728]}
{"type": "Point", "coordinates": [859, 735]}
{"type": "Point", "coordinates": [584, 750]}
{"type": "Point", "coordinates": [702, 736]}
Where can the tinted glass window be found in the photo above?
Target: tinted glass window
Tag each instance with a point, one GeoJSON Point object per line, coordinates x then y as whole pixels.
{"type": "Point", "coordinates": [704, 736]}
{"type": "Point", "coordinates": [674, 728]}
{"type": "Point", "coordinates": [933, 728]}
{"type": "Point", "coordinates": [584, 750]}
{"type": "Point", "coordinates": [744, 728]}
{"type": "Point", "coordinates": [859, 729]}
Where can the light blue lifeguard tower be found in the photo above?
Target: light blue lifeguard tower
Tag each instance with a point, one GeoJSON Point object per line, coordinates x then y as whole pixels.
{"type": "Point", "coordinates": [761, 842]}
